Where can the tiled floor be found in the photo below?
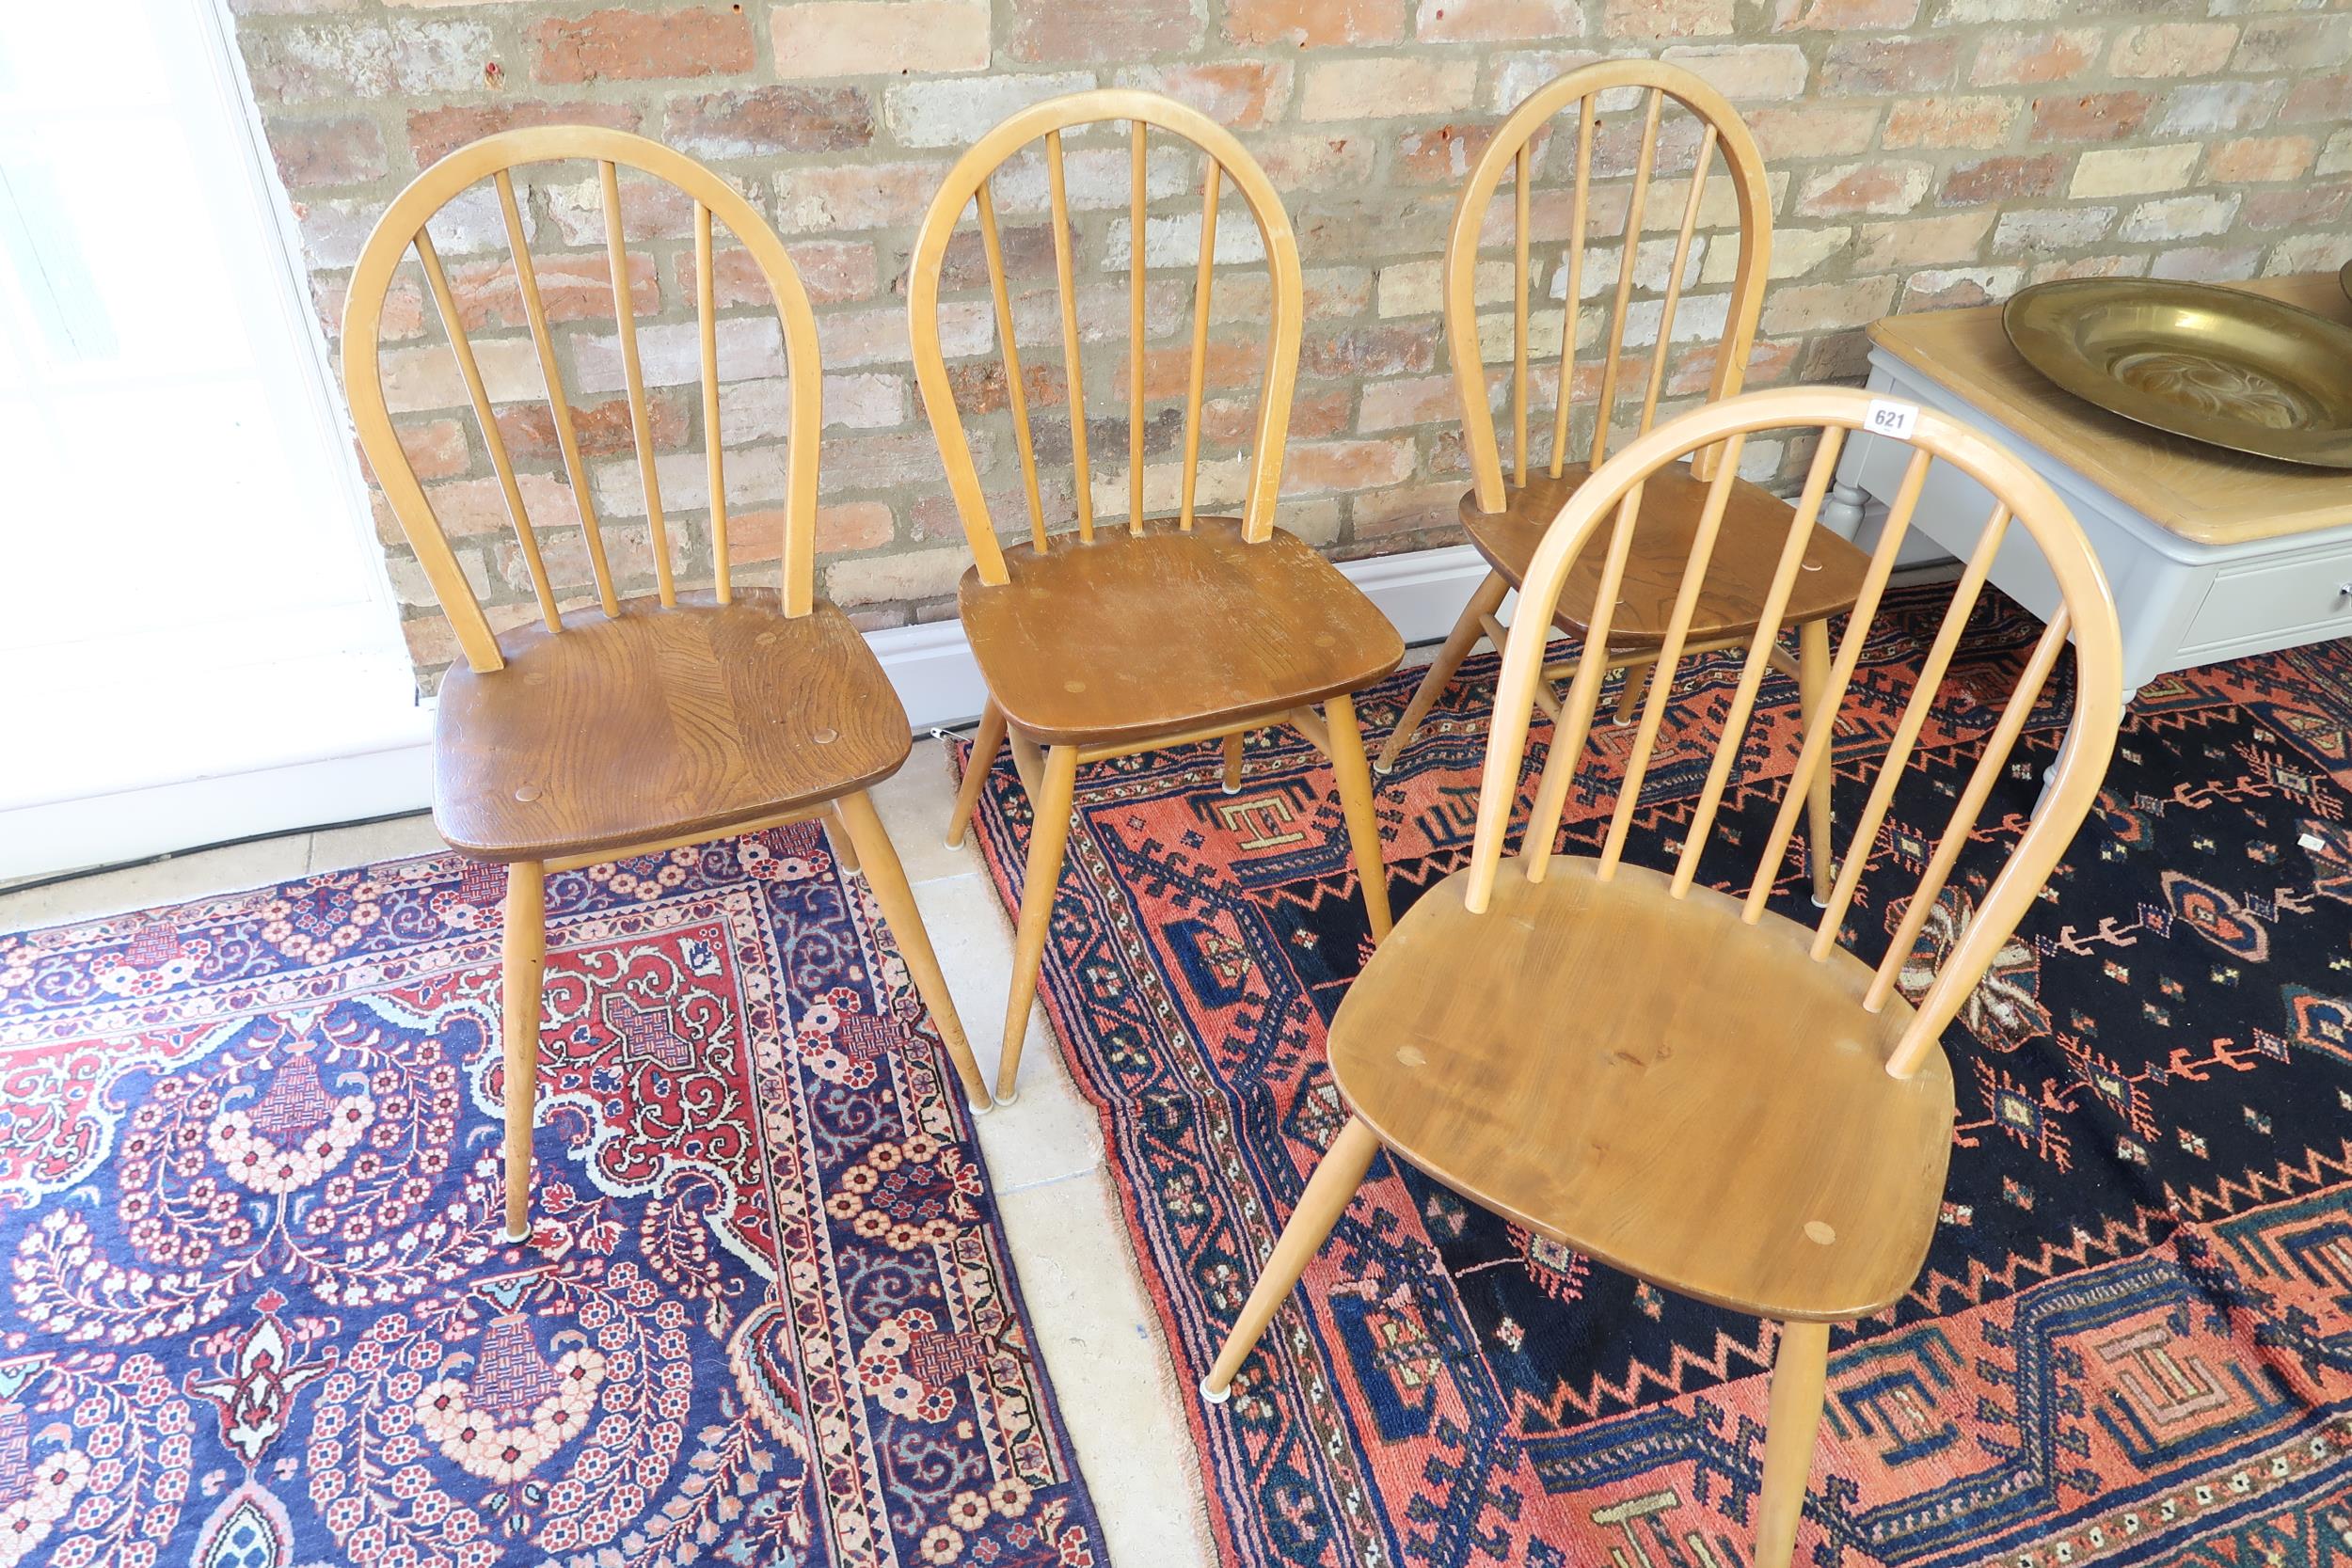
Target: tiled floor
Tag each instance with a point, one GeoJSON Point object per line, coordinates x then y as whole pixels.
{"type": "Point", "coordinates": [1117, 1387]}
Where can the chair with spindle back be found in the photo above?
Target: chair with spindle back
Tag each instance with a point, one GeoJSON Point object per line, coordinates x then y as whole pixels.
{"type": "Point", "coordinates": [631, 725]}
{"type": "Point", "coordinates": [1506, 520]}
{"type": "Point", "coordinates": [1165, 630]}
{"type": "Point", "coordinates": [1688, 1086]}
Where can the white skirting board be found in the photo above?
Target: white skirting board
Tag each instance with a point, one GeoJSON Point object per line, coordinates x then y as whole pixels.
{"type": "Point", "coordinates": [1421, 590]}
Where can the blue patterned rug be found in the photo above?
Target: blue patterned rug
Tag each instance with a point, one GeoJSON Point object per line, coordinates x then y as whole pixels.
{"type": "Point", "coordinates": [258, 1312]}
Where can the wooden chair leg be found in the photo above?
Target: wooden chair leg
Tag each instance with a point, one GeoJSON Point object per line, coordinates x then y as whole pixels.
{"type": "Point", "coordinates": [1458, 643]}
{"type": "Point", "coordinates": [1337, 1176]}
{"type": "Point", "coordinates": [1636, 687]}
{"type": "Point", "coordinates": [984, 746]}
{"type": "Point", "coordinates": [1049, 835]}
{"type": "Point", "coordinates": [1812, 688]}
{"type": "Point", "coordinates": [1363, 825]}
{"type": "Point", "coordinates": [1800, 1369]}
{"type": "Point", "coordinates": [888, 879]}
{"type": "Point", "coordinates": [843, 842]}
{"type": "Point", "coordinates": [525, 944]}
{"type": "Point", "coordinates": [1233, 763]}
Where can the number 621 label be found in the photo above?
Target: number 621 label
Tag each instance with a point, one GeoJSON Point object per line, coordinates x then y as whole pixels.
{"type": "Point", "coordinates": [1888, 418]}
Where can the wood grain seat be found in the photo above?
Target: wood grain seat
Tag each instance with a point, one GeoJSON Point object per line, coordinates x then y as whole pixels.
{"type": "Point", "coordinates": [1755, 525]}
{"type": "Point", "coordinates": [1137, 636]}
{"type": "Point", "coordinates": [1622, 1071]}
{"type": "Point", "coordinates": [659, 723]}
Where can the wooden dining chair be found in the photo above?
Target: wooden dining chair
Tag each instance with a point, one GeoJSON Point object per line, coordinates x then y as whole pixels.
{"type": "Point", "coordinates": [632, 725]}
{"type": "Point", "coordinates": [1104, 641]}
{"type": "Point", "coordinates": [1686, 1085]}
{"type": "Point", "coordinates": [1506, 518]}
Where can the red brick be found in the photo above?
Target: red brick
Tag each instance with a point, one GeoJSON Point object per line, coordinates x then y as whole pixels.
{"type": "Point", "coordinates": [1229, 423]}
{"type": "Point", "coordinates": [434, 132]}
{"type": "Point", "coordinates": [1395, 348]}
{"type": "Point", "coordinates": [1240, 95]}
{"type": "Point", "coordinates": [1659, 19]}
{"type": "Point", "coordinates": [2004, 59]}
{"type": "Point", "coordinates": [1812, 131]}
{"type": "Point", "coordinates": [1946, 121]}
{"type": "Point", "coordinates": [572, 286]}
{"type": "Point", "coordinates": [2173, 49]}
{"type": "Point", "coordinates": [2004, 178]}
{"type": "Point", "coordinates": [435, 449]}
{"type": "Point", "coordinates": [2318, 98]}
{"type": "Point", "coordinates": [602, 429]}
{"type": "Point", "coordinates": [859, 38]}
{"type": "Point", "coordinates": [1062, 32]}
{"type": "Point", "coordinates": [1497, 21]}
{"type": "Point", "coordinates": [2307, 206]}
{"type": "Point", "coordinates": [1311, 22]}
{"type": "Point", "coordinates": [1840, 16]}
{"type": "Point", "coordinates": [758, 123]}
{"type": "Point", "coordinates": [2259, 158]}
{"type": "Point", "coordinates": [1167, 372]}
{"type": "Point", "coordinates": [1314, 466]}
{"type": "Point", "coordinates": [832, 271]}
{"type": "Point", "coordinates": [754, 537]}
{"type": "Point", "coordinates": [1441, 155]}
{"type": "Point", "coordinates": [2093, 117]}
{"type": "Point", "coordinates": [981, 386]}
{"type": "Point", "coordinates": [1874, 67]}
{"type": "Point", "coordinates": [340, 151]}
{"type": "Point", "coordinates": [623, 45]}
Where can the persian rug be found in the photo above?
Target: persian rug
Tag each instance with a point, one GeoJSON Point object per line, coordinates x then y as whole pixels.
{"type": "Point", "coordinates": [2132, 1338]}
{"type": "Point", "coordinates": [258, 1312]}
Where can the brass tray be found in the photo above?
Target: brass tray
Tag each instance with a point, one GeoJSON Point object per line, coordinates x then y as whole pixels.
{"type": "Point", "coordinates": [2217, 365]}
{"type": "Point", "coordinates": [2343, 279]}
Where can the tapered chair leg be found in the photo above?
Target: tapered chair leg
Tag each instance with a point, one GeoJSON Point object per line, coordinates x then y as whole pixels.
{"type": "Point", "coordinates": [1049, 835]}
{"type": "Point", "coordinates": [525, 953]}
{"type": "Point", "coordinates": [1636, 687]}
{"type": "Point", "coordinates": [843, 841]}
{"type": "Point", "coordinates": [1363, 823]}
{"type": "Point", "coordinates": [1337, 1176]}
{"type": "Point", "coordinates": [1799, 1372]}
{"type": "Point", "coordinates": [975, 767]}
{"type": "Point", "coordinates": [1233, 763]}
{"type": "Point", "coordinates": [1812, 688]}
{"type": "Point", "coordinates": [1458, 643]}
{"type": "Point", "coordinates": [888, 879]}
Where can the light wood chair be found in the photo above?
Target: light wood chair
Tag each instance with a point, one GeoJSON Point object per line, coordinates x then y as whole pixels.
{"type": "Point", "coordinates": [1688, 1086]}
{"type": "Point", "coordinates": [644, 724]}
{"type": "Point", "coordinates": [1168, 630]}
{"type": "Point", "coordinates": [1506, 521]}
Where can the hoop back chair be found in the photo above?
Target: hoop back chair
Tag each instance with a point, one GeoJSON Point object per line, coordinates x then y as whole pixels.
{"type": "Point", "coordinates": [1114, 640]}
{"type": "Point", "coordinates": [635, 724]}
{"type": "Point", "coordinates": [1686, 1085]}
{"type": "Point", "coordinates": [1506, 519]}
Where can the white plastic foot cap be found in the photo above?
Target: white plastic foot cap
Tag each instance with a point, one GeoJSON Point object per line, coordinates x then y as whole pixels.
{"type": "Point", "coordinates": [1008, 1098]}
{"type": "Point", "coordinates": [512, 1239]}
{"type": "Point", "coordinates": [1233, 789]}
{"type": "Point", "coordinates": [1820, 902]}
{"type": "Point", "coordinates": [1216, 1396]}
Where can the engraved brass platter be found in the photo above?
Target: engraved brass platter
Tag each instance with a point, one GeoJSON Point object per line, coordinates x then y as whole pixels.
{"type": "Point", "coordinates": [2343, 280]}
{"type": "Point", "coordinates": [2217, 365]}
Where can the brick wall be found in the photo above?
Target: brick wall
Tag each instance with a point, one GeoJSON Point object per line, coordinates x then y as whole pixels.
{"type": "Point", "coordinates": [1925, 154]}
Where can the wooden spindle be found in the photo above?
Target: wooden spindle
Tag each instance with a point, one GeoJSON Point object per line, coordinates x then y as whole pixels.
{"type": "Point", "coordinates": [1817, 482]}
{"type": "Point", "coordinates": [1064, 273]}
{"type": "Point", "coordinates": [1669, 656]}
{"type": "Point", "coordinates": [1134, 326]}
{"type": "Point", "coordinates": [1522, 165]}
{"type": "Point", "coordinates": [535, 310]}
{"type": "Point", "coordinates": [1576, 722]}
{"type": "Point", "coordinates": [1915, 717]}
{"type": "Point", "coordinates": [1821, 738]}
{"type": "Point", "coordinates": [1196, 383]}
{"type": "Point", "coordinates": [1965, 810]}
{"type": "Point", "coordinates": [479, 396]}
{"type": "Point", "coordinates": [1674, 284]}
{"type": "Point", "coordinates": [1572, 302]}
{"type": "Point", "coordinates": [625, 318]}
{"type": "Point", "coordinates": [1016, 391]}
{"type": "Point", "coordinates": [1643, 165]}
{"type": "Point", "coordinates": [714, 464]}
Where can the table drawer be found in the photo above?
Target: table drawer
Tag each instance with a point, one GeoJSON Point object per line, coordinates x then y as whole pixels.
{"type": "Point", "coordinates": [2308, 593]}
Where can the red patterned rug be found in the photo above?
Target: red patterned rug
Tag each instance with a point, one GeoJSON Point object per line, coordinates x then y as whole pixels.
{"type": "Point", "coordinates": [2133, 1340]}
{"type": "Point", "coordinates": [257, 1313]}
